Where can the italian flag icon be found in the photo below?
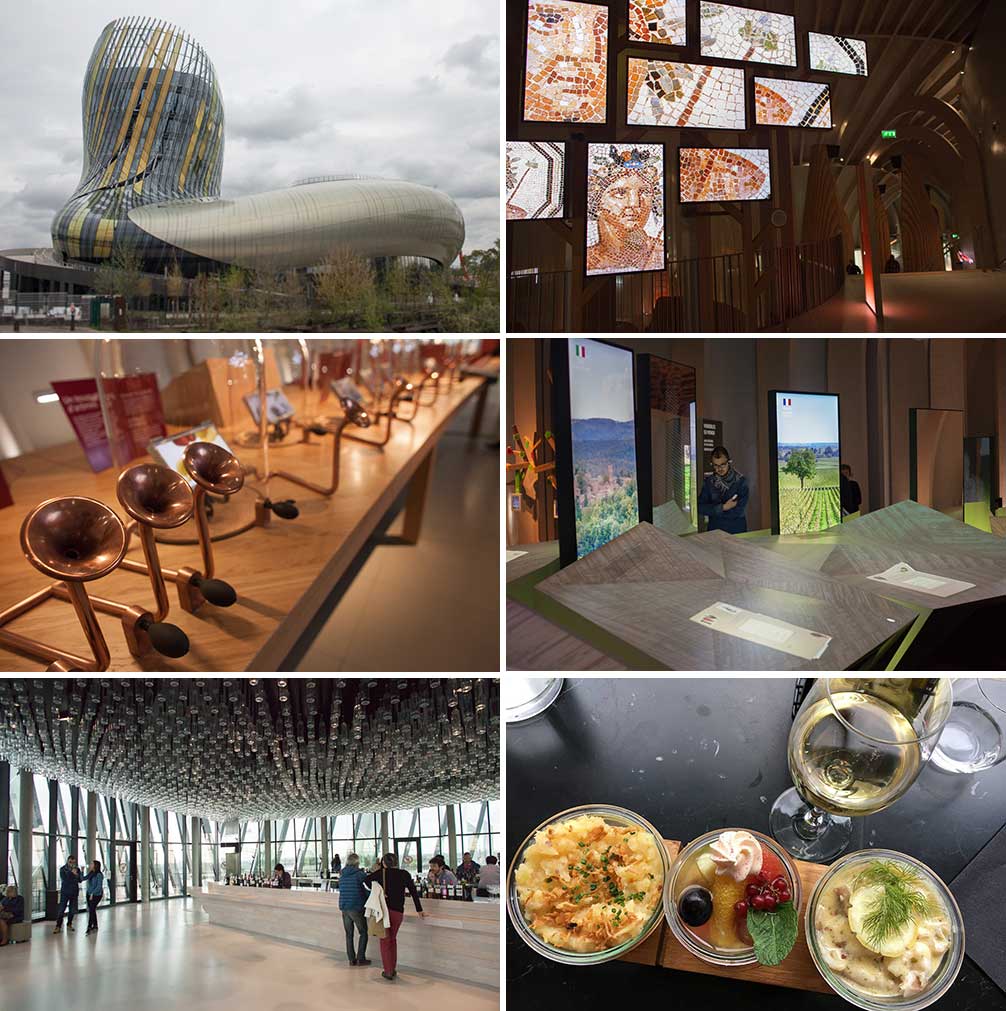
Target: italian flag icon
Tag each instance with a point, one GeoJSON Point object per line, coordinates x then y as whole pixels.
{"type": "Point", "coordinates": [580, 350]}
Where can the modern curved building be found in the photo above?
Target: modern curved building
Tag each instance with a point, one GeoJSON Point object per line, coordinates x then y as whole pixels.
{"type": "Point", "coordinates": [153, 119]}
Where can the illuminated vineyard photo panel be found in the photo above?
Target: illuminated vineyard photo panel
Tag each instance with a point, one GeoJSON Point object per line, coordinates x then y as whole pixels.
{"type": "Point", "coordinates": [837, 54]}
{"type": "Point", "coordinates": [625, 208]}
{"type": "Point", "coordinates": [739, 33]}
{"type": "Point", "coordinates": [535, 175]}
{"type": "Point", "coordinates": [792, 103]}
{"type": "Point", "coordinates": [566, 68]}
{"type": "Point", "coordinates": [603, 439]}
{"type": "Point", "coordinates": [712, 174]}
{"type": "Point", "coordinates": [662, 23]}
{"type": "Point", "coordinates": [685, 95]}
{"type": "Point", "coordinates": [806, 460]}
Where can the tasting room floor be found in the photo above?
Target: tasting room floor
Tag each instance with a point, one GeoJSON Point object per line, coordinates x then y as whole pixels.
{"type": "Point", "coordinates": [168, 957]}
{"type": "Point", "coordinates": [435, 602]}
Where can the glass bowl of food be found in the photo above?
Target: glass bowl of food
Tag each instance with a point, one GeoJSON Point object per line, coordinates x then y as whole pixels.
{"type": "Point", "coordinates": [584, 887]}
{"type": "Point", "coordinates": [733, 898]}
{"type": "Point", "coordinates": [884, 931]}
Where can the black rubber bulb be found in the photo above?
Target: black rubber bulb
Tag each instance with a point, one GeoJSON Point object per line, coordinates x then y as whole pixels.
{"type": "Point", "coordinates": [286, 510]}
{"type": "Point", "coordinates": [216, 591]}
{"type": "Point", "coordinates": [167, 639]}
{"type": "Point", "coordinates": [318, 430]}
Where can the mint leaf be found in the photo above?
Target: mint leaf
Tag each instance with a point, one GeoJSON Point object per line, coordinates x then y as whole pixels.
{"type": "Point", "coordinates": [774, 934]}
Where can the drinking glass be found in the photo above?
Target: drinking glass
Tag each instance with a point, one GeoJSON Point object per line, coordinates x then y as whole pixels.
{"type": "Point", "coordinates": [524, 698]}
{"type": "Point", "coordinates": [974, 738]}
{"type": "Point", "coordinates": [856, 745]}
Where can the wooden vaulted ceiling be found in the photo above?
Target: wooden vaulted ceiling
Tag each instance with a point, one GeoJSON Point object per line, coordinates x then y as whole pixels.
{"type": "Point", "coordinates": [916, 48]}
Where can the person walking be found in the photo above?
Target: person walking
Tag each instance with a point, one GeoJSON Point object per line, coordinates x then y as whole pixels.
{"type": "Point", "coordinates": [352, 898]}
{"type": "Point", "coordinates": [69, 890]}
{"type": "Point", "coordinates": [395, 882]}
{"type": "Point", "coordinates": [95, 889]}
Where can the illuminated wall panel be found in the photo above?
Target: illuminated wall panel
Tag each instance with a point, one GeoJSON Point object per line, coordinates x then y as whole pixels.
{"type": "Point", "coordinates": [792, 103]}
{"type": "Point", "coordinates": [685, 94]}
{"type": "Point", "coordinates": [566, 72]}
{"type": "Point", "coordinates": [662, 23]}
{"type": "Point", "coordinates": [739, 33]}
{"type": "Point", "coordinates": [710, 174]}
{"type": "Point", "coordinates": [535, 173]}
{"type": "Point", "coordinates": [838, 54]}
{"type": "Point", "coordinates": [625, 208]}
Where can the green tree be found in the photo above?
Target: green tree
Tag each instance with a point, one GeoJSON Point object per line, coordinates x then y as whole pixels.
{"type": "Point", "coordinates": [345, 284]}
{"type": "Point", "coordinates": [122, 273]}
{"type": "Point", "coordinates": [802, 463]}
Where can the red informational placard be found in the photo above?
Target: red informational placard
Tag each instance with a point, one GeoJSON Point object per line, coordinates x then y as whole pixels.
{"type": "Point", "coordinates": [135, 413]}
{"type": "Point", "coordinates": [79, 398]}
{"type": "Point", "coordinates": [135, 416]}
{"type": "Point", "coordinates": [5, 496]}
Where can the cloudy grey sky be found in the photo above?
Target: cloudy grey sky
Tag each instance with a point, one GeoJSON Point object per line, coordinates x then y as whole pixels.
{"type": "Point", "coordinates": [394, 88]}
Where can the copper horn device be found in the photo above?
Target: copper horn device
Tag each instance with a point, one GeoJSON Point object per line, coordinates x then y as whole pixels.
{"type": "Point", "coordinates": [216, 472]}
{"type": "Point", "coordinates": [391, 415]}
{"type": "Point", "coordinates": [353, 413]}
{"type": "Point", "coordinates": [73, 540]}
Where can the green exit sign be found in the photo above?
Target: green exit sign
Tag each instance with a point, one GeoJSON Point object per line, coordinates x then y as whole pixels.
{"type": "Point", "coordinates": [889, 134]}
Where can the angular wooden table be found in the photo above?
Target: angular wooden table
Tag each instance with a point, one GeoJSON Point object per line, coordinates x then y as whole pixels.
{"type": "Point", "coordinates": [286, 575]}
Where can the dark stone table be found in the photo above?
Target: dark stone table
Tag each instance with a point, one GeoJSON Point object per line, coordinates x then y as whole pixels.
{"type": "Point", "coordinates": [692, 755]}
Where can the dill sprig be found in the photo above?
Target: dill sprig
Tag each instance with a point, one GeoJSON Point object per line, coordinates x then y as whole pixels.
{"type": "Point", "coordinates": [898, 902]}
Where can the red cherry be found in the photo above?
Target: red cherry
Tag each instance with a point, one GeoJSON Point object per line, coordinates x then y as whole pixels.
{"type": "Point", "coordinates": [741, 908]}
{"type": "Point", "coordinates": [784, 894]}
{"type": "Point", "coordinates": [752, 890]}
{"type": "Point", "coordinates": [779, 882]}
{"type": "Point", "coordinates": [770, 903]}
{"type": "Point", "coordinates": [759, 902]}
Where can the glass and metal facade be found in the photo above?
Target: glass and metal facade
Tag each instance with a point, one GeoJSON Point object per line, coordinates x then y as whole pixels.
{"type": "Point", "coordinates": [153, 127]}
{"type": "Point", "coordinates": [60, 827]}
{"type": "Point", "coordinates": [153, 120]}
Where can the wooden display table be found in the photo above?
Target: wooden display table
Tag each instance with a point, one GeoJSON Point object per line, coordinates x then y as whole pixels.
{"type": "Point", "coordinates": [460, 940]}
{"type": "Point", "coordinates": [283, 574]}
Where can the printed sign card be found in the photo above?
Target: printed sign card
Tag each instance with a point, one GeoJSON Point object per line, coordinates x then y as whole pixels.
{"type": "Point", "coordinates": [763, 630]}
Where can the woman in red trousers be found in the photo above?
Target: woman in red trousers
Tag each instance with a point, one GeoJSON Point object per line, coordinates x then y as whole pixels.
{"type": "Point", "coordinates": [394, 881]}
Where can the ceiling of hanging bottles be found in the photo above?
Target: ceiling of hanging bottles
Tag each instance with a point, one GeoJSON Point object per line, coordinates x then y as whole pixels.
{"type": "Point", "coordinates": [226, 748]}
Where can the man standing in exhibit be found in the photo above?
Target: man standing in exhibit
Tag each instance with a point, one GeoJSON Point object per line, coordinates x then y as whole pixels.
{"type": "Point", "coordinates": [724, 496]}
{"type": "Point", "coordinates": [851, 496]}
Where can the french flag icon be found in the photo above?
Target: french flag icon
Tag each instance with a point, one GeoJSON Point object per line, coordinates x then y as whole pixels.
{"type": "Point", "coordinates": [787, 401]}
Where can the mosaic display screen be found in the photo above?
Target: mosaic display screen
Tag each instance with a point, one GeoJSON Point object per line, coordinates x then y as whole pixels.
{"type": "Point", "coordinates": [685, 94]}
{"type": "Point", "coordinates": [738, 33]}
{"type": "Point", "coordinates": [808, 456]}
{"type": "Point", "coordinates": [625, 208]}
{"type": "Point", "coordinates": [535, 173]}
{"type": "Point", "coordinates": [603, 429]}
{"type": "Point", "coordinates": [566, 73]}
{"type": "Point", "coordinates": [663, 23]}
{"type": "Point", "coordinates": [838, 54]}
{"type": "Point", "coordinates": [792, 103]}
{"type": "Point", "coordinates": [710, 174]}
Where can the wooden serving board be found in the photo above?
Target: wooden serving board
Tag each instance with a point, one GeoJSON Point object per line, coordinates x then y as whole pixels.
{"type": "Point", "coordinates": [798, 971]}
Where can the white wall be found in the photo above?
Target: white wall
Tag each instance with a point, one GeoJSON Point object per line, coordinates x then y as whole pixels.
{"type": "Point", "coordinates": [27, 366]}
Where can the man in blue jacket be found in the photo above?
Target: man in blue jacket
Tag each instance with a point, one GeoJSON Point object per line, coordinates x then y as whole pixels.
{"type": "Point", "coordinates": [724, 497]}
{"type": "Point", "coordinates": [353, 895]}
{"type": "Point", "coordinates": [69, 889]}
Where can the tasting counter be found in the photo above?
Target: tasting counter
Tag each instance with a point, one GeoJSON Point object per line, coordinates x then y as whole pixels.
{"type": "Point", "coordinates": [468, 933]}
{"type": "Point", "coordinates": [286, 575]}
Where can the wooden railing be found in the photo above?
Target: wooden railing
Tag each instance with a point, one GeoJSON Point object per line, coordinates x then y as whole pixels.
{"type": "Point", "coordinates": [699, 295]}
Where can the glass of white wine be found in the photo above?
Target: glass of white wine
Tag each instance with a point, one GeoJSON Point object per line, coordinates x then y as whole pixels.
{"type": "Point", "coordinates": [856, 745]}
